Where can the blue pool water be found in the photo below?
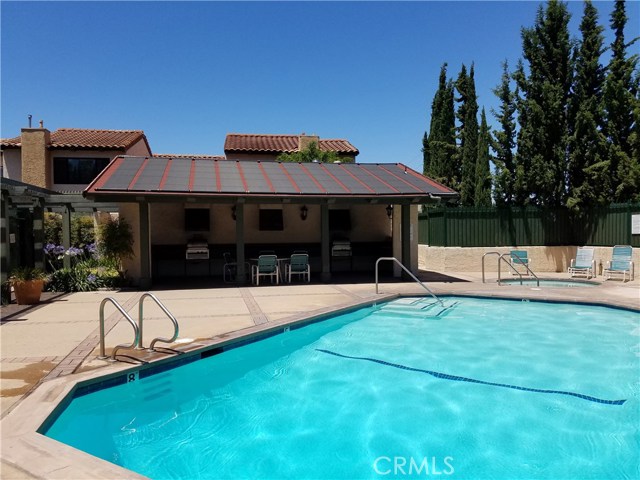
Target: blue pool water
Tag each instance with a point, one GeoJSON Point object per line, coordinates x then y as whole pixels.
{"type": "Point", "coordinates": [487, 389]}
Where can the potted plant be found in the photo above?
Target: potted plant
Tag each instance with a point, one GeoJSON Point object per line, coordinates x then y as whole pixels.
{"type": "Point", "coordinates": [27, 283]}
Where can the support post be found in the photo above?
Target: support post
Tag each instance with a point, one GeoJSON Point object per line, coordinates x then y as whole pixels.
{"type": "Point", "coordinates": [240, 259]}
{"type": "Point", "coordinates": [38, 233]}
{"type": "Point", "coordinates": [66, 234]}
{"type": "Point", "coordinates": [405, 227]}
{"type": "Point", "coordinates": [145, 246]}
{"type": "Point", "coordinates": [325, 247]}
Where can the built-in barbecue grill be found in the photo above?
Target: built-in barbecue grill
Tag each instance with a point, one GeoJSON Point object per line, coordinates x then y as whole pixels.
{"type": "Point", "coordinates": [197, 250]}
{"type": "Point", "coordinates": [341, 248]}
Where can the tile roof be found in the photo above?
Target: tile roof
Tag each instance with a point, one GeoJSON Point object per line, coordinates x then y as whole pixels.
{"type": "Point", "coordinates": [184, 155]}
{"type": "Point", "coordinates": [155, 176]}
{"type": "Point", "coordinates": [239, 142]}
{"type": "Point", "coordinates": [63, 138]}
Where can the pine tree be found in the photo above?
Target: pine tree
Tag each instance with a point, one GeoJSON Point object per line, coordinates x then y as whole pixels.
{"type": "Point", "coordinates": [439, 146]}
{"type": "Point", "coordinates": [543, 136]}
{"type": "Point", "coordinates": [621, 106]}
{"type": "Point", "coordinates": [468, 134]}
{"type": "Point", "coordinates": [503, 143]}
{"type": "Point", "coordinates": [483, 171]}
{"type": "Point", "coordinates": [588, 160]}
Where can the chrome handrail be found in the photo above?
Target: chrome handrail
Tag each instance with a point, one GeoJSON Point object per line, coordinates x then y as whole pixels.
{"type": "Point", "coordinates": [103, 356]}
{"type": "Point", "coordinates": [176, 328]}
{"type": "Point", "coordinates": [394, 259]}
{"type": "Point", "coordinates": [488, 253]}
{"type": "Point", "coordinates": [515, 270]}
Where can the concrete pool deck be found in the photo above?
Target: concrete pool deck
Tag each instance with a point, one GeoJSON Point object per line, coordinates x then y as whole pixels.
{"type": "Point", "coordinates": [58, 339]}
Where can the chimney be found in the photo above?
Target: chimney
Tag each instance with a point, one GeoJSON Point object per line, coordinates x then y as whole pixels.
{"type": "Point", "coordinates": [36, 169]}
{"type": "Point", "coordinates": [305, 140]}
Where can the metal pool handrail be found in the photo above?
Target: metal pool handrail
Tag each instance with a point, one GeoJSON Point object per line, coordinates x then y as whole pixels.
{"type": "Point", "coordinates": [514, 269]}
{"type": "Point", "coordinates": [394, 259]}
{"type": "Point", "coordinates": [488, 253]}
{"type": "Point", "coordinates": [176, 328]}
{"type": "Point", "coordinates": [103, 356]}
{"type": "Point", "coordinates": [501, 257]}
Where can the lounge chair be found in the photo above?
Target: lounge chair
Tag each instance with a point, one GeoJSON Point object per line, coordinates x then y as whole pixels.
{"type": "Point", "coordinates": [519, 257]}
{"type": "Point", "coordinates": [267, 267]}
{"type": "Point", "coordinates": [298, 265]}
{"type": "Point", "coordinates": [621, 264]}
{"type": "Point", "coordinates": [583, 264]}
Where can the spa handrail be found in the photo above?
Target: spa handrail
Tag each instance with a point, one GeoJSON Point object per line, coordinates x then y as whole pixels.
{"type": "Point", "coordinates": [394, 259]}
{"type": "Point", "coordinates": [501, 256]}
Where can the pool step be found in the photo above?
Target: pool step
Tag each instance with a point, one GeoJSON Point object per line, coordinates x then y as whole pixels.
{"type": "Point", "coordinates": [432, 310]}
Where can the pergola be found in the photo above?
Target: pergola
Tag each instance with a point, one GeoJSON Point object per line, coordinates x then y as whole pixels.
{"type": "Point", "coordinates": [18, 195]}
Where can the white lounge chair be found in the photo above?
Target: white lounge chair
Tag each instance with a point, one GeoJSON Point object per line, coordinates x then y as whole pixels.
{"type": "Point", "coordinates": [621, 264]}
{"type": "Point", "coordinates": [517, 259]}
{"type": "Point", "coordinates": [298, 265]}
{"type": "Point", "coordinates": [267, 267]}
{"type": "Point", "coordinates": [584, 263]}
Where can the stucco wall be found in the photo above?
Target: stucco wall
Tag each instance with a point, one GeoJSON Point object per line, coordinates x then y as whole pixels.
{"type": "Point", "coordinates": [368, 224]}
{"type": "Point", "coordinates": [12, 164]}
{"type": "Point", "coordinates": [131, 213]}
{"type": "Point", "coordinates": [139, 149]}
{"type": "Point", "coordinates": [542, 259]}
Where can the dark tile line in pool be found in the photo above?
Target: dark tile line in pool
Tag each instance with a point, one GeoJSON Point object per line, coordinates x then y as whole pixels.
{"type": "Point", "coordinates": [456, 378]}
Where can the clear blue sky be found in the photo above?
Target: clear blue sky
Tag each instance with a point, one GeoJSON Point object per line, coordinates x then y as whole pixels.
{"type": "Point", "coordinates": [188, 73]}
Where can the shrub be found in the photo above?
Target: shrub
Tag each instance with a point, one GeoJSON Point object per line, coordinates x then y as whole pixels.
{"type": "Point", "coordinates": [52, 228]}
{"type": "Point", "coordinates": [116, 241]}
{"type": "Point", "coordinates": [82, 230]}
{"type": "Point", "coordinates": [86, 276]}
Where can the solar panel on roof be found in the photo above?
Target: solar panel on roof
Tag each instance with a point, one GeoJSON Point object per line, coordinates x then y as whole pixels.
{"type": "Point", "coordinates": [256, 181]}
{"type": "Point", "coordinates": [348, 181]}
{"type": "Point", "coordinates": [392, 180]}
{"type": "Point", "coordinates": [121, 178]}
{"type": "Point", "coordinates": [178, 176]}
{"type": "Point", "coordinates": [151, 176]}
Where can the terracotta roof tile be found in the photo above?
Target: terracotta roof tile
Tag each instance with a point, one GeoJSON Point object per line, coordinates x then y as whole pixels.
{"type": "Point", "coordinates": [87, 138]}
{"type": "Point", "coordinates": [184, 155]}
{"type": "Point", "coordinates": [237, 142]}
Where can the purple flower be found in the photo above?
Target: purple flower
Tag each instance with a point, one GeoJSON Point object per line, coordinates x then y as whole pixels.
{"type": "Point", "coordinates": [74, 252]}
{"type": "Point", "coordinates": [91, 278]}
{"type": "Point", "coordinates": [53, 250]}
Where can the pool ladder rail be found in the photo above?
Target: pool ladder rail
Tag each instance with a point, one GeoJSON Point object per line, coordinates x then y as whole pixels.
{"type": "Point", "coordinates": [501, 258]}
{"type": "Point", "coordinates": [394, 259]}
{"type": "Point", "coordinates": [137, 329]}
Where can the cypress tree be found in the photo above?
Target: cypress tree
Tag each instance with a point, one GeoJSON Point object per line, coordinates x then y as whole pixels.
{"type": "Point", "coordinates": [621, 106]}
{"type": "Point", "coordinates": [439, 146]}
{"type": "Point", "coordinates": [588, 160]}
{"type": "Point", "coordinates": [543, 136]}
{"type": "Point", "coordinates": [504, 141]}
{"type": "Point", "coordinates": [483, 171]}
{"type": "Point", "coordinates": [468, 134]}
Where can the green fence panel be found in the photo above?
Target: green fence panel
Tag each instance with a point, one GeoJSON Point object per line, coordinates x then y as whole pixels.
{"type": "Point", "coordinates": [527, 226]}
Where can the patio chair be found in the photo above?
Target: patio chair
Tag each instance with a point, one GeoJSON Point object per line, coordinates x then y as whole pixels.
{"type": "Point", "coordinates": [584, 263]}
{"type": "Point", "coordinates": [621, 264]}
{"type": "Point", "coordinates": [267, 267]}
{"type": "Point", "coordinates": [519, 257]}
{"type": "Point", "coordinates": [230, 268]}
{"type": "Point", "coordinates": [298, 265]}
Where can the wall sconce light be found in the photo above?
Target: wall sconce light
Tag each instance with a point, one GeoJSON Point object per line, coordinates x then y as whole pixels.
{"type": "Point", "coordinates": [304, 211]}
{"type": "Point", "coordinates": [233, 212]}
{"type": "Point", "coordinates": [389, 212]}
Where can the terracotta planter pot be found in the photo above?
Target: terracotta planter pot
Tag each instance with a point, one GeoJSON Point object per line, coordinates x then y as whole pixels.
{"type": "Point", "coordinates": [28, 292]}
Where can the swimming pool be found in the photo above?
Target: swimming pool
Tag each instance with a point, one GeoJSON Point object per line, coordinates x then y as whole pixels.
{"type": "Point", "coordinates": [545, 282]}
{"type": "Point", "coordinates": [485, 389]}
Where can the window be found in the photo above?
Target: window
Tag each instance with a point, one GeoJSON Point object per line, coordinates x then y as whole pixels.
{"type": "Point", "coordinates": [77, 170]}
{"type": "Point", "coordinates": [339, 220]}
{"type": "Point", "coordinates": [271, 220]}
{"type": "Point", "coordinates": [196, 219]}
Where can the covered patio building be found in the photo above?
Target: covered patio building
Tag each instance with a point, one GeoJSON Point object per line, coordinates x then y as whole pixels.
{"type": "Point", "coordinates": [243, 207]}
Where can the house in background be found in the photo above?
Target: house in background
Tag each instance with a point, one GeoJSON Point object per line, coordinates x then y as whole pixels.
{"type": "Point", "coordinates": [240, 146]}
{"type": "Point", "coordinates": [67, 159]}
